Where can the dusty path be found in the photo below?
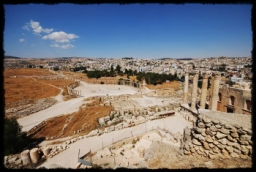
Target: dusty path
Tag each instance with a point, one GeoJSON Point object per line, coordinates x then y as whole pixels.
{"type": "Point", "coordinates": [68, 158]}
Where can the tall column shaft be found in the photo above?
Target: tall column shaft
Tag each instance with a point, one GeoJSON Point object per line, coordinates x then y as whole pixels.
{"type": "Point", "coordinates": [185, 93]}
{"type": "Point", "coordinates": [211, 89]}
{"type": "Point", "coordinates": [215, 93]}
{"type": "Point", "coordinates": [194, 92]}
{"type": "Point", "coordinates": [204, 91]}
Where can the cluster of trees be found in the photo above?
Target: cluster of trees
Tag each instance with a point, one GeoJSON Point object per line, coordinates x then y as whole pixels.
{"type": "Point", "coordinates": [14, 139]}
{"type": "Point", "coordinates": [104, 73]}
{"type": "Point", "coordinates": [155, 78]}
{"type": "Point", "coordinates": [83, 69]}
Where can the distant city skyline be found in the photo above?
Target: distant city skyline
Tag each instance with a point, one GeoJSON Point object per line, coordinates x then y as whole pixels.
{"type": "Point", "coordinates": [149, 31]}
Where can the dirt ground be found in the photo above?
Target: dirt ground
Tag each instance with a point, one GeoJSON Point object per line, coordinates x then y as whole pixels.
{"type": "Point", "coordinates": [174, 84]}
{"type": "Point", "coordinates": [17, 89]}
{"type": "Point", "coordinates": [64, 126]}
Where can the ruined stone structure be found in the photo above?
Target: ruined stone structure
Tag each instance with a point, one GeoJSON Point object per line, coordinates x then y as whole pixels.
{"type": "Point", "coordinates": [214, 92]}
{"type": "Point", "coordinates": [194, 92]}
{"type": "Point", "coordinates": [234, 100]}
{"type": "Point", "coordinates": [204, 91]}
{"type": "Point", "coordinates": [185, 94]}
{"type": "Point", "coordinates": [215, 139]}
{"type": "Point", "coordinates": [71, 87]}
{"type": "Point", "coordinates": [110, 81]}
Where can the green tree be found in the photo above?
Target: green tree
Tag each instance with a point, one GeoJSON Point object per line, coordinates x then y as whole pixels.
{"type": "Point", "coordinates": [118, 69]}
{"type": "Point", "coordinates": [14, 139]}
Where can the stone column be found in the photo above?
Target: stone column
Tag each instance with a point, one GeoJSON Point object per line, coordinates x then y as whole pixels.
{"type": "Point", "coordinates": [215, 92]}
{"type": "Point", "coordinates": [194, 92]}
{"type": "Point", "coordinates": [34, 155]}
{"type": "Point", "coordinates": [25, 157]}
{"type": "Point", "coordinates": [210, 92]}
{"type": "Point", "coordinates": [185, 93]}
{"type": "Point", "coordinates": [204, 91]}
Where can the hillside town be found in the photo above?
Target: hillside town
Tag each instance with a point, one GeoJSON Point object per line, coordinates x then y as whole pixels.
{"type": "Point", "coordinates": [238, 69]}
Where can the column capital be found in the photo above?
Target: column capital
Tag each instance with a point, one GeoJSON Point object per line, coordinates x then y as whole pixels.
{"type": "Point", "coordinates": [205, 76]}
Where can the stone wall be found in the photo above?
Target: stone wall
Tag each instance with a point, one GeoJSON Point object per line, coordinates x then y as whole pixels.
{"type": "Point", "coordinates": [241, 98]}
{"type": "Point", "coordinates": [27, 107]}
{"type": "Point", "coordinates": [213, 138]}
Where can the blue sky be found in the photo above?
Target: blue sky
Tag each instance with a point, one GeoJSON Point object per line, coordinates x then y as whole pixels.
{"type": "Point", "coordinates": [137, 30]}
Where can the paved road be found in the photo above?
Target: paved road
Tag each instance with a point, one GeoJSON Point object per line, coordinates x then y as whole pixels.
{"type": "Point", "coordinates": [68, 158]}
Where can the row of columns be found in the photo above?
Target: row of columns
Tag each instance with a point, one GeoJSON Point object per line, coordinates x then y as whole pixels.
{"type": "Point", "coordinates": [76, 92]}
{"type": "Point", "coordinates": [214, 90]}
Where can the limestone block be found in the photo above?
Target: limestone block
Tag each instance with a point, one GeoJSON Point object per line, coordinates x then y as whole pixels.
{"type": "Point", "coordinates": [211, 145]}
{"type": "Point", "coordinates": [231, 139]}
{"type": "Point", "coordinates": [203, 134]}
{"type": "Point", "coordinates": [215, 142]}
{"type": "Point", "coordinates": [223, 141]}
{"type": "Point", "coordinates": [46, 150]}
{"type": "Point", "coordinates": [212, 156]}
{"type": "Point", "coordinates": [208, 132]}
{"type": "Point", "coordinates": [237, 151]}
{"type": "Point", "coordinates": [245, 151]}
{"type": "Point", "coordinates": [186, 152]}
{"type": "Point", "coordinates": [201, 138]}
{"type": "Point", "coordinates": [208, 125]}
{"type": "Point", "coordinates": [233, 130]}
{"type": "Point", "coordinates": [206, 146]}
{"type": "Point", "coordinates": [216, 150]}
{"type": "Point", "coordinates": [249, 132]}
{"type": "Point", "coordinates": [234, 135]}
{"type": "Point", "coordinates": [186, 147]}
{"type": "Point", "coordinates": [34, 155]}
{"type": "Point", "coordinates": [224, 131]}
{"type": "Point", "coordinates": [209, 139]}
{"type": "Point", "coordinates": [220, 135]}
{"type": "Point", "coordinates": [200, 130]}
{"type": "Point", "coordinates": [218, 126]}
{"type": "Point", "coordinates": [241, 132]}
{"type": "Point", "coordinates": [206, 120]}
{"type": "Point", "coordinates": [245, 138]}
{"type": "Point", "coordinates": [230, 143]}
{"type": "Point", "coordinates": [243, 142]}
{"type": "Point", "coordinates": [234, 155]}
{"type": "Point", "coordinates": [192, 150]}
{"type": "Point", "coordinates": [201, 125]}
{"type": "Point", "coordinates": [229, 149]}
{"type": "Point", "coordinates": [215, 122]}
{"type": "Point", "coordinates": [227, 126]}
{"type": "Point", "coordinates": [196, 142]}
{"type": "Point", "coordinates": [220, 146]}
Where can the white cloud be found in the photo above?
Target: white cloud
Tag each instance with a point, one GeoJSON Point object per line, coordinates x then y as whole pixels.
{"type": "Point", "coordinates": [60, 36]}
{"type": "Point", "coordinates": [26, 27]}
{"type": "Point", "coordinates": [55, 45]}
{"type": "Point", "coordinates": [23, 33]}
{"type": "Point", "coordinates": [67, 46]}
{"type": "Point", "coordinates": [21, 40]}
{"type": "Point", "coordinates": [37, 28]}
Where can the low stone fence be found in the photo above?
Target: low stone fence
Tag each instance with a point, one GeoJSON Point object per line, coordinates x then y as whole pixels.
{"type": "Point", "coordinates": [213, 138]}
{"type": "Point", "coordinates": [36, 128]}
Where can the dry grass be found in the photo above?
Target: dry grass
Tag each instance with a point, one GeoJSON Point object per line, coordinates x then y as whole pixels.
{"type": "Point", "coordinates": [174, 84]}
{"type": "Point", "coordinates": [26, 88]}
{"type": "Point", "coordinates": [17, 89]}
{"type": "Point", "coordinates": [87, 117]}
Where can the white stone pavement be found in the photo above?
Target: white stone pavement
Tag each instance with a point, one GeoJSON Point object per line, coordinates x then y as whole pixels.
{"type": "Point", "coordinates": [69, 158]}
